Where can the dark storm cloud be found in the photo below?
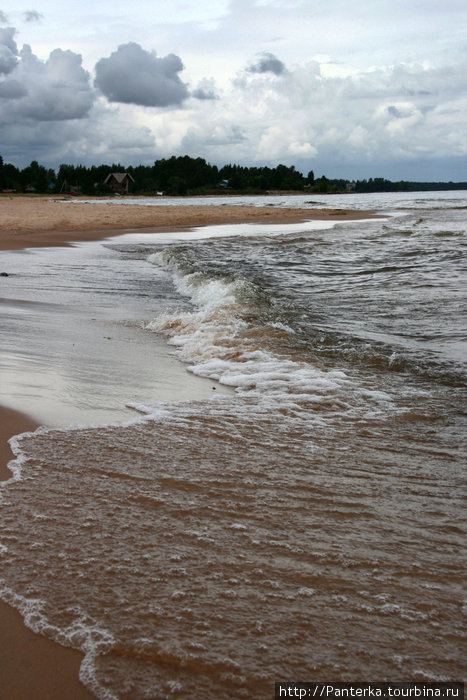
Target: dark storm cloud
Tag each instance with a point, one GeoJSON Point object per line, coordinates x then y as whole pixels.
{"type": "Point", "coordinates": [8, 50]}
{"type": "Point", "coordinates": [32, 16]}
{"type": "Point", "coordinates": [268, 63]}
{"type": "Point", "coordinates": [135, 76]}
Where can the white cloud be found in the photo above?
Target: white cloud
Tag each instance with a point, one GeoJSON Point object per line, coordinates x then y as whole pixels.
{"type": "Point", "coordinates": [356, 85]}
{"type": "Point", "coordinates": [55, 89]}
{"type": "Point", "coordinates": [32, 16]}
{"type": "Point", "coordinates": [8, 51]}
{"type": "Point", "coordinates": [359, 138]}
{"type": "Point", "coordinates": [307, 117]}
{"type": "Point", "coordinates": [206, 90]}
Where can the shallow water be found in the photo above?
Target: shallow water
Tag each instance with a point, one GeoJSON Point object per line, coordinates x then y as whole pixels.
{"type": "Point", "coordinates": [307, 527]}
{"type": "Point", "coordinates": [73, 349]}
{"type": "Point", "coordinates": [366, 200]}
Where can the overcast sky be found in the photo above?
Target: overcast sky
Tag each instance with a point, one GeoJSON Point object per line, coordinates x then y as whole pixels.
{"type": "Point", "coordinates": [361, 88]}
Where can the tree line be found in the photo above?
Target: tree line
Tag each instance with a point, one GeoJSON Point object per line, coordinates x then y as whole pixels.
{"type": "Point", "coordinates": [184, 175]}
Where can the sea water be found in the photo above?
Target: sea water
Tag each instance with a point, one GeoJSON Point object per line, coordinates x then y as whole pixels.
{"type": "Point", "coordinates": [308, 523]}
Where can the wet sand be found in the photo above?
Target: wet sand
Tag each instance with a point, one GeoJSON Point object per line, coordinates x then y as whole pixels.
{"type": "Point", "coordinates": [32, 666]}
{"type": "Point", "coordinates": [11, 423]}
{"type": "Point", "coordinates": [27, 222]}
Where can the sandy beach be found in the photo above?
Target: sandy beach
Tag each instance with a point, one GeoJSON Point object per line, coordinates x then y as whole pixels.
{"type": "Point", "coordinates": [27, 222]}
{"type": "Point", "coordinates": [31, 665]}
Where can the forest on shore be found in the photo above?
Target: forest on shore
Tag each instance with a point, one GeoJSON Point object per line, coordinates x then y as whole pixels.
{"type": "Point", "coordinates": [184, 175]}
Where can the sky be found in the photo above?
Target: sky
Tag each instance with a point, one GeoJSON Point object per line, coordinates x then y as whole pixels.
{"type": "Point", "coordinates": [368, 88]}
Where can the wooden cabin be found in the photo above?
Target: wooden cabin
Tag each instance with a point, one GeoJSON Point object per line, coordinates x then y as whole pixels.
{"type": "Point", "coordinates": [119, 182]}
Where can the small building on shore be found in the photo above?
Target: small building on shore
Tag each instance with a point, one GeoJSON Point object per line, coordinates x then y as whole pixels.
{"type": "Point", "coordinates": [119, 182]}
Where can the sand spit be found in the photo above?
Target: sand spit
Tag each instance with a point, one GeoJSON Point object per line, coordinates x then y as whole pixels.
{"type": "Point", "coordinates": [27, 222]}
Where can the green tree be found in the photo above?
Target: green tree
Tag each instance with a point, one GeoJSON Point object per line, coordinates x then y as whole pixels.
{"type": "Point", "coordinates": [36, 177]}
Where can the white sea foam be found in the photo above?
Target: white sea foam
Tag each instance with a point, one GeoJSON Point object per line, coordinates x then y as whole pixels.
{"type": "Point", "coordinates": [16, 464]}
{"type": "Point", "coordinates": [82, 634]}
{"type": "Point", "coordinates": [218, 341]}
{"type": "Point", "coordinates": [307, 592]}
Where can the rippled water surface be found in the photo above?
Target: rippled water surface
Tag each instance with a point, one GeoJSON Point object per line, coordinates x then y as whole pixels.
{"type": "Point", "coordinates": [307, 525]}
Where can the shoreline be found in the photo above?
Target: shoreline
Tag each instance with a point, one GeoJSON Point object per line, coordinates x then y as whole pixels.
{"type": "Point", "coordinates": [27, 222]}
{"type": "Point", "coordinates": [32, 665]}
{"type": "Point", "coordinates": [11, 423]}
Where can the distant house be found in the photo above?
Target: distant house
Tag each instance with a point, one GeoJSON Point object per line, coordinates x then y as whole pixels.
{"type": "Point", "coordinates": [119, 182]}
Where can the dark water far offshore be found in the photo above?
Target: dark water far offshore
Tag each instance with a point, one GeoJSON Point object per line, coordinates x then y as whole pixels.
{"type": "Point", "coordinates": [309, 526]}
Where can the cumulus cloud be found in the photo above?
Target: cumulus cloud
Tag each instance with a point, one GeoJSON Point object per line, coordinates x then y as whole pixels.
{"type": "Point", "coordinates": [205, 91]}
{"type": "Point", "coordinates": [340, 123]}
{"type": "Point", "coordinates": [54, 90]}
{"type": "Point", "coordinates": [342, 126]}
{"type": "Point", "coordinates": [8, 50]}
{"type": "Point", "coordinates": [32, 16]}
{"type": "Point", "coordinates": [202, 94]}
{"type": "Point", "coordinates": [12, 90]}
{"type": "Point", "coordinates": [134, 76]}
{"type": "Point", "coordinates": [86, 128]}
{"type": "Point", "coordinates": [213, 135]}
{"type": "Point", "coordinates": [268, 63]}
{"type": "Point", "coordinates": [3, 18]}
{"type": "Point", "coordinates": [272, 145]}
{"type": "Point", "coordinates": [102, 138]}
